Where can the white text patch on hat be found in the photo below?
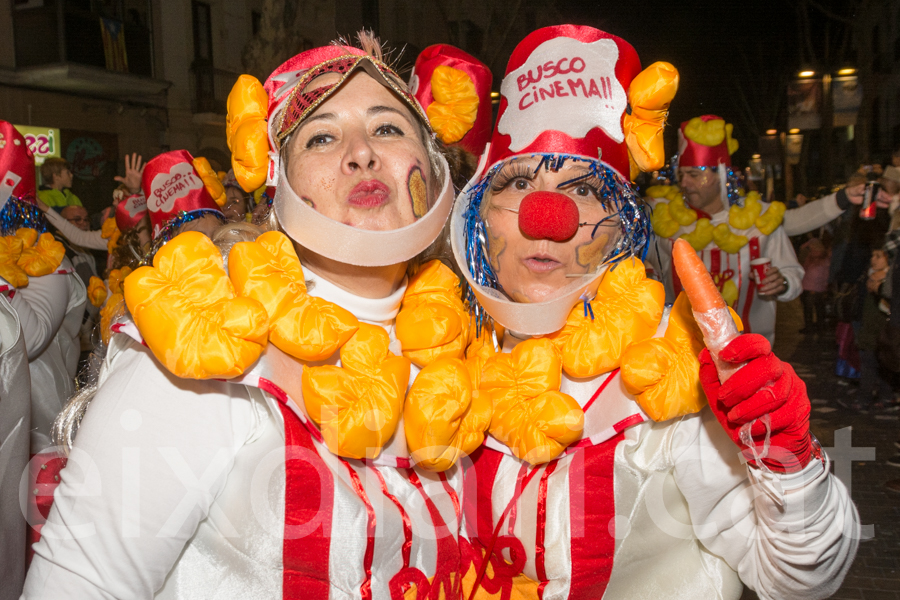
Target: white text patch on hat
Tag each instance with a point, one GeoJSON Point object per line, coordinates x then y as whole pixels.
{"type": "Point", "coordinates": [167, 188]}
{"type": "Point", "coordinates": [136, 204]}
{"type": "Point", "coordinates": [567, 86]}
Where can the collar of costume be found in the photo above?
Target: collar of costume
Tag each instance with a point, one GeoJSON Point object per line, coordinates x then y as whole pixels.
{"type": "Point", "coordinates": [471, 248]}
{"type": "Point", "coordinates": [670, 217]}
{"type": "Point", "coordinates": [359, 247]}
{"type": "Point", "coordinates": [373, 310]}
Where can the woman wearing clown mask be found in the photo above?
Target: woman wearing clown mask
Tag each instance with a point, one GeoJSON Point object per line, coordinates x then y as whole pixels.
{"type": "Point", "coordinates": [277, 392]}
{"type": "Point", "coordinates": [603, 474]}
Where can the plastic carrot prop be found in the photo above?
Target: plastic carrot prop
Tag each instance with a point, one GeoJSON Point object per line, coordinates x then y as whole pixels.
{"type": "Point", "coordinates": [707, 304]}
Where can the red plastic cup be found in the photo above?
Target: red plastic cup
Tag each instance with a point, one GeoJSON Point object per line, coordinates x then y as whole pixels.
{"type": "Point", "coordinates": [759, 267]}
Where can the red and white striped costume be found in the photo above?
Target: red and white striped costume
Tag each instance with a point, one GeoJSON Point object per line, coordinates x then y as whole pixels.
{"type": "Point", "coordinates": [650, 510]}
{"type": "Point", "coordinates": [214, 489]}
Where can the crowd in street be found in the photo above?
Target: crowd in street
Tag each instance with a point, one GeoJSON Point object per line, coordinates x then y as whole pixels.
{"type": "Point", "coordinates": [396, 348]}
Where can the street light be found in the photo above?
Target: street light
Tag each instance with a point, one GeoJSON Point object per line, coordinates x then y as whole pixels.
{"type": "Point", "coordinates": [771, 131]}
{"type": "Point", "coordinates": [847, 71]}
{"type": "Point", "coordinates": [795, 130]}
{"type": "Point", "coordinates": [806, 74]}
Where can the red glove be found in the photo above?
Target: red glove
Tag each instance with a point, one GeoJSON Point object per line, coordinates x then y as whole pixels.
{"type": "Point", "coordinates": [765, 385]}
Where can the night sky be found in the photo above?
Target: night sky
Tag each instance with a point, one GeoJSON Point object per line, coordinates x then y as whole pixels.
{"type": "Point", "coordinates": [734, 58]}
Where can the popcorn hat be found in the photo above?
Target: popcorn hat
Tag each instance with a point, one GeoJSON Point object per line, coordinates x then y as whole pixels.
{"type": "Point", "coordinates": [705, 142]}
{"type": "Point", "coordinates": [455, 89]}
{"type": "Point", "coordinates": [576, 90]}
{"type": "Point", "coordinates": [16, 166]}
{"type": "Point", "coordinates": [174, 191]}
{"type": "Point", "coordinates": [130, 210]}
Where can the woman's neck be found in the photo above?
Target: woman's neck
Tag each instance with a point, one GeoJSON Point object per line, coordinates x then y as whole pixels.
{"type": "Point", "coordinates": [365, 282]}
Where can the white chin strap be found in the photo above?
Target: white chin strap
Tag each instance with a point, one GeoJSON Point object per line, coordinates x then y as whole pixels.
{"type": "Point", "coordinates": [539, 318]}
{"type": "Point", "coordinates": [360, 247]}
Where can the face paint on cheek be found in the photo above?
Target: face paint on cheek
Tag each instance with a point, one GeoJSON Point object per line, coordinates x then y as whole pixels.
{"type": "Point", "coordinates": [418, 192]}
{"type": "Point", "coordinates": [590, 254]}
{"type": "Point", "coordinates": [308, 201]}
{"type": "Point", "coordinates": [496, 246]}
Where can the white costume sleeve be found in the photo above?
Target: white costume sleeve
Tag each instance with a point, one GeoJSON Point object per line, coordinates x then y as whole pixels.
{"type": "Point", "coordinates": [800, 550]}
{"type": "Point", "coordinates": [86, 239]}
{"type": "Point", "coordinates": [779, 249]}
{"type": "Point", "coordinates": [41, 308]}
{"type": "Point", "coordinates": [812, 215]}
{"type": "Point", "coordinates": [150, 458]}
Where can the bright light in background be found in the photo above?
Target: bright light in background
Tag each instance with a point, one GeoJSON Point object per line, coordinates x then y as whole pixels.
{"type": "Point", "coordinates": [495, 94]}
{"type": "Point", "coordinates": [847, 71]}
{"type": "Point", "coordinates": [771, 131]}
{"type": "Point", "coordinates": [794, 131]}
{"type": "Point", "coordinates": [806, 73]}
{"type": "Point", "coordinates": [756, 157]}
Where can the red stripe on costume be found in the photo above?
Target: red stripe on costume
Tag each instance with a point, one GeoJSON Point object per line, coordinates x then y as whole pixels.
{"type": "Point", "coordinates": [523, 471]}
{"type": "Point", "coordinates": [601, 388]}
{"type": "Point", "coordinates": [541, 528]}
{"type": "Point", "coordinates": [444, 584]}
{"type": "Point", "coordinates": [628, 422]}
{"type": "Point", "coordinates": [478, 486]}
{"type": "Point", "coordinates": [305, 556]}
{"type": "Point", "coordinates": [365, 590]}
{"type": "Point", "coordinates": [457, 509]}
{"type": "Point", "coordinates": [751, 286]}
{"type": "Point", "coordinates": [591, 514]}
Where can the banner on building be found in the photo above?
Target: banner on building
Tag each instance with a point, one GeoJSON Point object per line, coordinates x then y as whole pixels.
{"type": "Point", "coordinates": [847, 95]}
{"type": "Point", "coordinates": [804, 104]}
{"type": "Point", "coordinates": [42, 141]}
{"type": "Point", "coordinates": [113, 33]}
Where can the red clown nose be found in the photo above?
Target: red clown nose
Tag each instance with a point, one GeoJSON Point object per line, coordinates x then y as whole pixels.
{"type": "Point", "coordinates": [548, 215]}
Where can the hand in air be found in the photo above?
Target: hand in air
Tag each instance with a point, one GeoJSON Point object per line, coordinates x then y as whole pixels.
{"type": "Point", "coordinates": [134, 169]}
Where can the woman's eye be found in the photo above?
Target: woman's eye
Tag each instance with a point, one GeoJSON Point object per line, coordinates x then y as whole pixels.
{"type": "Point", "coordinates": [585, 190]}
{"type": "Point", "coordinates": [388, 130]}
{"type": "Point", "coordinates": [318, 140]}
{"type": "Point", "coordinates": [520, 184]}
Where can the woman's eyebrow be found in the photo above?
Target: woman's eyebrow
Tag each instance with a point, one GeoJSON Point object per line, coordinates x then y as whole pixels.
{"type": "Point", "coordinates": [321, 117]}
{"type": "Point", "coordinates": [377, 110]}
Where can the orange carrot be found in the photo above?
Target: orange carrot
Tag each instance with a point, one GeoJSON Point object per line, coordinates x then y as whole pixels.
{"type": "Point", "coordinates": [698, 285]}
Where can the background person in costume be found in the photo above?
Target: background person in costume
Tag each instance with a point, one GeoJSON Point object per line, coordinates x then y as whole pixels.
{"type": "Point", "coordinates": [41, 286]}
{"type": "Point", "coordinates": [604, 475]}
{"type": "Point", "coordinates": [727, 230]}
{"type": "Point", "coordinates": [287, 505]}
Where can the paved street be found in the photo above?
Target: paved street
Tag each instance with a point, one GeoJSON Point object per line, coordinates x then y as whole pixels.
{"type": "Point", "coordinates": [875, 575]}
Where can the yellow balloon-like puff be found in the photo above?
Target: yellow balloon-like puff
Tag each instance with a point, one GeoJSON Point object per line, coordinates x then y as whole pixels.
{"type": "Point", "coordinates": [96, 291]}
{"type": "Point", "coordinates": [663, 224]}
{"type": "Point", "coordinates": [358, 405]}
{"type": "Point", "coordinates": [701, 236]}
{"type": "Point", "coordinates": [455, 106]}
{"type": "Point", "coordinates": [442, 418]}
{"type": "Point", "coordinates": [246, 133]}
{"type": "Point", "coordinates": [188, 314]}
{"type": "Point", "coordinates": [210, 180]}
{"type": "Point", "coordinates": [269, 272]}
{"type": "Point", "coordinates": [43, 258]}
{"type": "Point", "coordinates": [727, 240]}
{"type": "Point", "coordinates": [649, 96]}
{"type": "Point", "coordinates": [772, 218]}
{"type": "Point", "coordinates": [627, 309]}
{"type": "Point", "coordinates": [433, 322]}
{"type": "Point", "coordinates": [11, 247]}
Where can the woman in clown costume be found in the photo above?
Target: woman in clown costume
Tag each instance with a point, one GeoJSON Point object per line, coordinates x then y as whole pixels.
{"type": "Point", "coordinates": [252, 432]}
{"type": "Point", "coordinates": [604, 474]}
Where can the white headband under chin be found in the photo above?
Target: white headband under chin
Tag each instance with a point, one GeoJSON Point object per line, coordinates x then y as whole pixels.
{"type": "Point", "coordinates": [539, 318]}
{"type": "Point", "coordinates": [359, 247]}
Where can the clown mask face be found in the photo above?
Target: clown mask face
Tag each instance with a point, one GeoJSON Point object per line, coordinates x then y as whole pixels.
{"type": "Point", "coordinates": [533, 258]}
{"type": "Point", "coordinates": [359, 158]}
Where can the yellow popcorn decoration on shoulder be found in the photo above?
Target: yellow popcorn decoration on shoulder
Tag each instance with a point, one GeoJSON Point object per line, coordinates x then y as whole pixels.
{"type": "Point", "coordinates": [627, 308]}
{"type": "Point", "coordinates": [649, 96]}
{"type": "Point", "coordinates": [455, 106]}
{"type": "Point", "coordinates": [727, 240]}
{"type": "Point", "coordinates": [10, 250]}
{"type": "Point", "coordinates": [41, 258]}
{"type": "Point", "coordinates": [210, 180]}
{"type": "Point", "coordinates": [772, 218]}
{"type": "Point", "coordinates": [189, 315]}
{"type": "Point", "coordinates": [661, 219]}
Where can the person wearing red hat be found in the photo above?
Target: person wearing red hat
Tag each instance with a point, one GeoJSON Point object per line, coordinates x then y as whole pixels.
{"type": "Point", "coordinates": [604, 473]}
{"type": "Point", "coordinates": [40, 285]}
{"type": "Point", "coordinates": [731, 232]}
{"type": "Point", "coordinates": [267, 406]}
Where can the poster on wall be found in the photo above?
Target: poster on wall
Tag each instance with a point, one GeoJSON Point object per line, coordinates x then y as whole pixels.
{"type": "Point", "coordinates": [847, 95]}
{"type": "Point", "coordinates": [94, 158]}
